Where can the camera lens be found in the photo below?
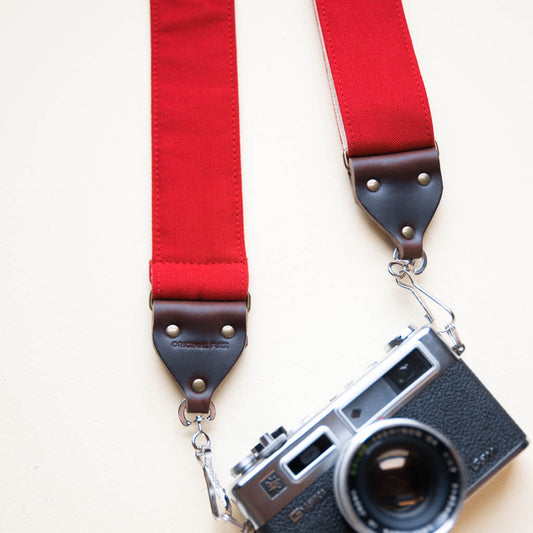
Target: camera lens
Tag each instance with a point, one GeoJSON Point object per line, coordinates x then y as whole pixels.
{"type": "Point", "coordinates": [399, 475]}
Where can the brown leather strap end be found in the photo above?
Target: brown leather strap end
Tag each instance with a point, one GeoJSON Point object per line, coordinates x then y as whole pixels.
{"type": "Point", "coordinates": [199, 342]}
{"type": "Point", "coordinates": [401, 193]}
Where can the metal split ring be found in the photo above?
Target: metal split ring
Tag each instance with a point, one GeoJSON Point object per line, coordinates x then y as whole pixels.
{"type": "Point", "coordinates": [182, 414]}
{"type": "Point", "coordinates": [410, 262]}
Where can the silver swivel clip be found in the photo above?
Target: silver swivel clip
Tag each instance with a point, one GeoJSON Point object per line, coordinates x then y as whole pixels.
{"type": "Point", "coordinates": [404, 272]}
{"type": "Point", "coordinates": [219, 500]}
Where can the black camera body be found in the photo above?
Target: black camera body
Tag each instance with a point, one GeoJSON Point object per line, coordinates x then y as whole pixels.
{"type": "Point", "coordinates": [288, 482]}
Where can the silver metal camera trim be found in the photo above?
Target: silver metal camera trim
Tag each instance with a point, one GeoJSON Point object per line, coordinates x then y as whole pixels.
{"type": "Point", "coordinates": [247, 490]}
{"type": "Point", "coordinates": [402, 397]}
{"type": "Point", "coordinates": [340, 487]}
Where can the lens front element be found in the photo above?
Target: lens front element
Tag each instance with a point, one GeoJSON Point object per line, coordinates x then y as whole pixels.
{"type": "Point", "coordinates": [398, 478]}
{"type": "Point", "coordinates": [399, 475]}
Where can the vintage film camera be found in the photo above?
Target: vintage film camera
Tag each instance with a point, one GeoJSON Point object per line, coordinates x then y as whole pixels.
{"type": "Point", "coordinates": [397, 451]}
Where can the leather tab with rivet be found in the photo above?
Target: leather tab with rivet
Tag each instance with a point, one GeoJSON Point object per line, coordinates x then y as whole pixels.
{"type": "Point", "coordinates": [192, 338]}
{"type": "Point", "coordinates": [401, 193]}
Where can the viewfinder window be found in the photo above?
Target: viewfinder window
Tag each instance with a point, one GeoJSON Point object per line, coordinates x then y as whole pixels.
{"type": "Point", "coordinates": [310, 454]}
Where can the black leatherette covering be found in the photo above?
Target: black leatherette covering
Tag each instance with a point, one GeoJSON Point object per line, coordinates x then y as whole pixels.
{"type": "Point", "coordinates": [456, 404]}
{"type": "Point", "coordinates": [459, 406]}
{"type": "Point", "coordinates": [314, 511]}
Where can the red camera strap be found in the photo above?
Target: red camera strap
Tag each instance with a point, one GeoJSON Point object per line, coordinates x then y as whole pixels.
{"type": "Point", "coordinates": [383, 116]}
{"type": "Point", "coordinates": [199, 270]}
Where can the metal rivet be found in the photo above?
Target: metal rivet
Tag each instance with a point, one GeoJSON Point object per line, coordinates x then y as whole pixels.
{"type": "Point", "coordinates": [228, 332]}
{"type": "Point", "coordinates": [172, 330]}
{"type": "Point", "coordinates": [424, 178]}
{"type": "Point", "coordinates": [408, 232]}
{"type": "Point", "coordinates": [372, 185]}
{"type": "Point", "coordinates": [198, 385]}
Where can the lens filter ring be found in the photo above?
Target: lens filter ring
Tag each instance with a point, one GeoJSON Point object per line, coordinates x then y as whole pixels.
{"type": "Point", "coordinates": [400, 475]}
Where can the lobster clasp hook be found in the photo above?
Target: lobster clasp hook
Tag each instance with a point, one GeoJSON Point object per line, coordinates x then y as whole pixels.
{"type": "Point", "coordinates": [405, 280]}
{"type": "Point", "coordinates": [403, 271]}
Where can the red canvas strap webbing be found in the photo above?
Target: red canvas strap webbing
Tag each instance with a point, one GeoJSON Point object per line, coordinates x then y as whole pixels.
{"type": "Point", "coordinates": [198, 241]}
{"type": "Point", "coordinates": [379, 89]}
{"type": "Point", "coordinates": [198, 271]}
{"type": "Point", "coordinates": [383, 115]}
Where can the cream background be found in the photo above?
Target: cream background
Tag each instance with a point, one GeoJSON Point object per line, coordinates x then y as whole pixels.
{"type": "Point", "coordinates": [90, 438]}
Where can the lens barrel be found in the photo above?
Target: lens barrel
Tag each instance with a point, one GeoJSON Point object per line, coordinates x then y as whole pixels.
{"type": "Point", "coordinates": [400, 475]}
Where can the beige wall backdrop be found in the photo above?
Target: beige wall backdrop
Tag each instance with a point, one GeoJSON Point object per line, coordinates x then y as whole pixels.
{"type": "Point", "coordinates": [90, 439]}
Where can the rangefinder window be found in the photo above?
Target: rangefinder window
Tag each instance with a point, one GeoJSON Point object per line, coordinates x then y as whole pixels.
{"type": "Point", "coordinates": [407, 371]}
{"type": "Point", "coordinates": [384, 391]}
